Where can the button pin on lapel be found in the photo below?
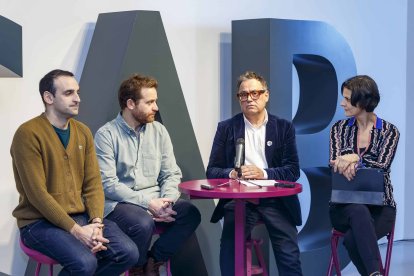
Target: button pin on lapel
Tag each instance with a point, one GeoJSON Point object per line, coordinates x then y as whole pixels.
{"type": "Point", "coordinates": [269, 143]}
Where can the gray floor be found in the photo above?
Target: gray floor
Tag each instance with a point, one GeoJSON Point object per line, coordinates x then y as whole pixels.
{"type": "Point", "coordinates": [402, 260]}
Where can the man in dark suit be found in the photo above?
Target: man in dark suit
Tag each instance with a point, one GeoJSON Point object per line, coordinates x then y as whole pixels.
{"type": "Point", "coordinates": [270, 153]}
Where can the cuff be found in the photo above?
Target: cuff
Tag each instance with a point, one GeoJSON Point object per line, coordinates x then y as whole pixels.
{"type": "Point", "coordinates": [265, 176]}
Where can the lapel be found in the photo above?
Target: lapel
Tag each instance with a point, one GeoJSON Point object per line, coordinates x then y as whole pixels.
{"type": "Point", "coordinates": [238, 128]}
{"type": "Point", "coordinates": [270, 143]}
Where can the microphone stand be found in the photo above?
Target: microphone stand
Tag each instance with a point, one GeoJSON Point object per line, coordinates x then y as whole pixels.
{"type": "Point", "coordinates": [239, 174]}
{"type": "Point", "coordinates": [239, 177]}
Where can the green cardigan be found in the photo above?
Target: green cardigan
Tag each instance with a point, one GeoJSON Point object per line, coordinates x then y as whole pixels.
{"type": "Point", "coordinates": [54, 182]}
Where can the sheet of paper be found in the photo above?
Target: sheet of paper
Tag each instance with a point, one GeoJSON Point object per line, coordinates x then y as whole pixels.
{"type": "Point", "coordinates": [264, 183]}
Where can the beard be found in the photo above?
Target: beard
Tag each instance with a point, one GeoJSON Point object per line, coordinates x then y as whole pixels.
{"type": "Point", "coordinates": [144, 118]}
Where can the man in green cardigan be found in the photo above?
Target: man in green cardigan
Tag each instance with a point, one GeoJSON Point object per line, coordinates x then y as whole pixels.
{"type": "Point", "coordinates": [60, 210]}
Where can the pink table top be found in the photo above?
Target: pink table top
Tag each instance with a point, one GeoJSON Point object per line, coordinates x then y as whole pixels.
{"type": "Point", "coordinates": [235, 190]}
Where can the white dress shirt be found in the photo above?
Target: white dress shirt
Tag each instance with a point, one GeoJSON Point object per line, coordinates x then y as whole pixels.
{"type": "Point", "coordinates": [254, 141]}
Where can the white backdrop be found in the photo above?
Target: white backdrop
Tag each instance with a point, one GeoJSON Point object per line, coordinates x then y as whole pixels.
{"type": "Point", "coordinates": [55, 34]}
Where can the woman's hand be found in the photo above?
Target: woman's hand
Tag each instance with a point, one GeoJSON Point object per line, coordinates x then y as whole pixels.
{"type": "Point", "coordinates": [346, 165]}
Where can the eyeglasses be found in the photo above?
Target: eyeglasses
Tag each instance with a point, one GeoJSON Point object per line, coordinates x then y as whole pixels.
{"type": "Point", "coordinates": [254, 94]}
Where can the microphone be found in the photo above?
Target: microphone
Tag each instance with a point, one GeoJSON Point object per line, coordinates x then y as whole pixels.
{"type": "Point", "coordinates": [239, 159]}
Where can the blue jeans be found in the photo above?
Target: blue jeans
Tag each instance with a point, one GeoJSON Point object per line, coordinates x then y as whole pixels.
{"type": "Point", "coordinates": [282, 233]}
{"type": "Point", "coordinates": [139, 226]}
{"type": "Point", "coordinates": [75, 257]}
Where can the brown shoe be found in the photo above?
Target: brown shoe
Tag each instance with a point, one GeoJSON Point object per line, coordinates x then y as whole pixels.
{"type": "Point", "coordinates": [137, 271]}
{"type": "Point", "coordinates": [152, 268]}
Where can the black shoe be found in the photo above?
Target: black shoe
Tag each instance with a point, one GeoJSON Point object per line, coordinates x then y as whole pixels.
{"type": "Point", "coordinates": [137, 271]}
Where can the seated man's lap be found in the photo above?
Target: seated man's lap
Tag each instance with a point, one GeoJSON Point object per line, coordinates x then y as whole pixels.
{"type": "Point", "coordinates": [55, 243]}
{"type": "Point", "coordinates": [63, 247]}
{"type": "Point", "coordinates": [119, 243]}
{"type": "Point", "coordinates": [130, 216]}
{"type": "Point", "coordinates": [127, 215]}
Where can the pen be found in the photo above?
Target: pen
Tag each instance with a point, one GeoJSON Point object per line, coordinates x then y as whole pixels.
{"type": "Point", "coordinates": [251, 182]}
{"type": "Point", "coordinates": [226, 183]}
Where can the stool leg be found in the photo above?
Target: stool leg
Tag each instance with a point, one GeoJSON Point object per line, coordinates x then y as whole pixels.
{"type": "Point", "coordinates": [260, 258]}
{"type": "Point", "coordinates": [331, 261]}
{"type": "Point", "coordinates": [168, 267]}
{"type": "Point", "coordinates": [38, 269]}
{"type": "Point", "coordinates": [334, 261]}
{"type": "Point", "coordinates": [330, 265]}
{"type": "Point", "coordinates": [50, 270]}
{"type": "Point", "coordinates": [389, 252]}
{"type": "Point", "coordinates": [249, 257]}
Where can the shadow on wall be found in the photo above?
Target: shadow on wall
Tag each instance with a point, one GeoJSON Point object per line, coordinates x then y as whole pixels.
{"type": "Point", "coordinates": [226, 92]}
{"type": "Point", "coordinates": [79, 49]}
{"type": "Point", "coordinates": [19, 259]}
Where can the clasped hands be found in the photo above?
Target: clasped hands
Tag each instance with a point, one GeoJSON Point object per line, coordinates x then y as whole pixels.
{"type": "Point", "coordinates": [346, 165]}
{"type": "Point", "coordinates": [91, 235]}
{"type": "Point", "coordinates": [161, 209]}
{"type": "Point", "coordinates": [249, 172]}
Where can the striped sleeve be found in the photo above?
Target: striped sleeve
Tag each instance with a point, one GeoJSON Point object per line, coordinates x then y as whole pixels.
{"type": "Point", "coordinates": [387, 147]}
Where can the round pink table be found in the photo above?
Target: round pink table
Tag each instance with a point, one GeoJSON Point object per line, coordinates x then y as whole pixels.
{"type": "Point", "coordinates": [240, 193]}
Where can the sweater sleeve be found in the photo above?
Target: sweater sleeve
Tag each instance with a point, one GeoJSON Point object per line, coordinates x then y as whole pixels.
{"type": "Point", "coordinates": [30, 175]}
{"type": "Point", "coordinates": [92, 190]}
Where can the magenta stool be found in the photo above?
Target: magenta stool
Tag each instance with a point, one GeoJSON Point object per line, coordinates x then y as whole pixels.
{"type": "Point", "coordinates": [159, 230]}
{"type": "Point", "coordinates": [261, 267]}
{"type": "Point", "coordinates": [43, 259]}
{"type": "Point", "coordinates": [334, 262]}
{"type": "Point", "coordinates": [39, 258]}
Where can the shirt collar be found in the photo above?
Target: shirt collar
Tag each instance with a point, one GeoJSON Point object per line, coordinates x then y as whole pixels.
{"type": "Point", "coordinates": [246, 122]}
{"type": "Point", "coordinates": [377, 125]}
{"type": "Point", "coordinates": [121, 121]}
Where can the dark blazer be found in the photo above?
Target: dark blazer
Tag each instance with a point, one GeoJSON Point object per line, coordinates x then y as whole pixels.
{"type": "Point", "coordinates": [281, 157]}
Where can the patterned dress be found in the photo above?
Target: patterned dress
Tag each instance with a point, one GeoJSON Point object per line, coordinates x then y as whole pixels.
{"type": "Point", "coordinates": [379, 154]}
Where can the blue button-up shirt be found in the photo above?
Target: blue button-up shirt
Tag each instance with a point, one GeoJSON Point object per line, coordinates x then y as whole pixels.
{"type": "Point", "coordinates": [136, 166]}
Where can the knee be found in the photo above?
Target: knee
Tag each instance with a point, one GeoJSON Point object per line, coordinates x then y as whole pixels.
{"type": "Point", "coordinates": [128, 253]}
{"type": "Point", "coordinates": [83, 265]}
{"type": "Point", "coordinates": [145, 227]}
{"type": "Point", "coordinates": [190, 213]}
{"type": "Point", "coordinates": [194, 214]}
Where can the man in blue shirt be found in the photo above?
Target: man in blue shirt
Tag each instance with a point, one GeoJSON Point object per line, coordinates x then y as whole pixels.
{"type": "Point", "coordinates": [140, 177]}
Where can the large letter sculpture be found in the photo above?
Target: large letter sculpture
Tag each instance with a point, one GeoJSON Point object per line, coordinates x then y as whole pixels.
{"type": "Point", "coordinates": [323, 60]}
{"type": "Point", "coordinates": [128, 42]}
{"type": "Point", "coordinates": [10, 49]}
